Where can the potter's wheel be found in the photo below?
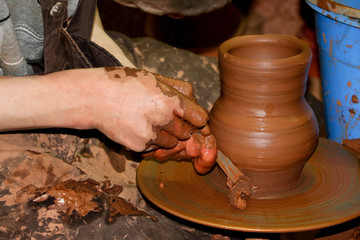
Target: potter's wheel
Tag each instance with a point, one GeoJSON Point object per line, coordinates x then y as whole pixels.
{"type": "Point", "coordinates": [328, 194]}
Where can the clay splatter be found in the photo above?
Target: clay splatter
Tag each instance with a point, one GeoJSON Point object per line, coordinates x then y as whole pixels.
{"type": "Point", "coordinates": [354, 99]}
{"type": "Point", "coordinates": [82, 197]}
{"type": "Point", "coordinates": [109, 69]}
{"type": "Point", "coordinates": [180, 74]}
{"type": "Point", "coordinates": [327, 5]}
{"type": "Point", "coordinates": [352, 112]}
{"type": "Point", "coordinates": [338, 103]}
{"type": "Point", "coordinates": [349, 84]}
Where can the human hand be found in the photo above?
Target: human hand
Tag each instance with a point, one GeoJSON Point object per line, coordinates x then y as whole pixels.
{"type": "Point", "coordinates": [149, 112]}
{"type": "Point", "coordinates": [200, 147]}
{"type": "Point", "coordinates": [138, 109]}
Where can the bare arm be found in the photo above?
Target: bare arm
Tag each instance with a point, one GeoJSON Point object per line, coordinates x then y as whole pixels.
{"type": "Point", "coordinates": [54, 100]}
{"type": "Point", "coordinates": [135, 108]}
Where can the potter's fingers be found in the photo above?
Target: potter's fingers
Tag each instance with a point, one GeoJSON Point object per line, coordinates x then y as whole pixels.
{"type": "Point", "coordinates": [205, 131]}
{"type": "Point", "coordinates": [151, 147]}
{"type": "Point", "coordinates": [203, 152]}
{"type": "Point", "coordinates": [181, 86]}
{"type": "Point", "coordinates": [192, 112]}
{"type": "Point", "coordinates": [165, 140]}
{"type": "Point", "coordinates": [165, 154]}
{"type": "Point", "coordinates": [178, 128]}
{"type": "Point", "coordinates": [207, 159]}
{"type": "Point", "coordinates": [193, 146]}
{"type": "Point", "coordinates": [191, 150]}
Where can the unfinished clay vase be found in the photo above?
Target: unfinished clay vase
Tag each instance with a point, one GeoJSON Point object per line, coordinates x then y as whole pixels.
{"type": "Point", "coordinates": [261, 119]}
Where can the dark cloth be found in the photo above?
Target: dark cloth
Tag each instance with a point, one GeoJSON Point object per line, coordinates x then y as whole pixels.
{"type": "Point", "coordinates": [67, 43]}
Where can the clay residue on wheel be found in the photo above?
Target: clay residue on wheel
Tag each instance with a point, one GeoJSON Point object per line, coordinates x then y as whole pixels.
{"type": "Point", "coordinates": [353, 144]}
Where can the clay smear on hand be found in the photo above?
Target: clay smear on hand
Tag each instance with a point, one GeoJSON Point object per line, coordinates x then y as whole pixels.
{"type": "Point", "coordinates": [146, 106]}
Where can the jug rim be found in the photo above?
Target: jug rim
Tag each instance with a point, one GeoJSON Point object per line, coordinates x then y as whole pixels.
{"type": "Point", "coordinates": [302, 56]}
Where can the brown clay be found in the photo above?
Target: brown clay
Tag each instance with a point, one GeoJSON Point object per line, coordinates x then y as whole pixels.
{"type": "Point", "coordinates": [261, 120]}
{"type": "Point", "coordinates": [83, 197]}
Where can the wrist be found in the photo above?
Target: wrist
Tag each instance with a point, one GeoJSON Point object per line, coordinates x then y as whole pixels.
{"type": "Point", "coordinates": [61, 99]}
{"type": "Point", "coordinates": [75, 98]}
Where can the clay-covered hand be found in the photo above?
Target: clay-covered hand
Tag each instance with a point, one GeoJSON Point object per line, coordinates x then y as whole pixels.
{"type": "Point", "coordinates": [138, 109]}
{"type": "Point", "coordinates": [158, 115]}
{"type": "Point", "coordinates": [200, 147]}
{"type": "Point", "coordinates": [144, 111]}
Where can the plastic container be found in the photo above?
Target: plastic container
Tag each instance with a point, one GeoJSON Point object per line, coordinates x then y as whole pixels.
{"type": "Point", "coordinates": [338, 36]}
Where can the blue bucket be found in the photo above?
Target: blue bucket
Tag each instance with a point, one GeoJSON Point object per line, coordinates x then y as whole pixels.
{"type": "Point", "coordinates": [338, 35]}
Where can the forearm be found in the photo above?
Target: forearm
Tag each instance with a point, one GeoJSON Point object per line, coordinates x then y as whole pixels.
{"type": "Point", "coordinates": [131, 107]}
{"type": "Point", "coordinates": [54, 100]}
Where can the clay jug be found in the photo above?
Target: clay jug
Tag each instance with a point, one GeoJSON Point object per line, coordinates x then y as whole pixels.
{"type": "Point", "coordinates": [261, 120]}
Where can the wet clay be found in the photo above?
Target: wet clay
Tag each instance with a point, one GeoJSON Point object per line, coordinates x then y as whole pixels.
{"type": "Point", "coordinates": [145, 103]}
{"type": "Point", "coordinates": [239, 192]}
{"type": "Point", "coordinates": [261, 120]}
{"type": "Point", "coordinates": [353, 144]}
{"type": "Point", "coordinates": [79, 198]}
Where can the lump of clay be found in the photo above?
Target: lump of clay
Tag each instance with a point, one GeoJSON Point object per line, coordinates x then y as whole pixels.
{"type": "Point", "coordinates": [240, 191]}
{"type": "Point", "coordinates": [82, 197]}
